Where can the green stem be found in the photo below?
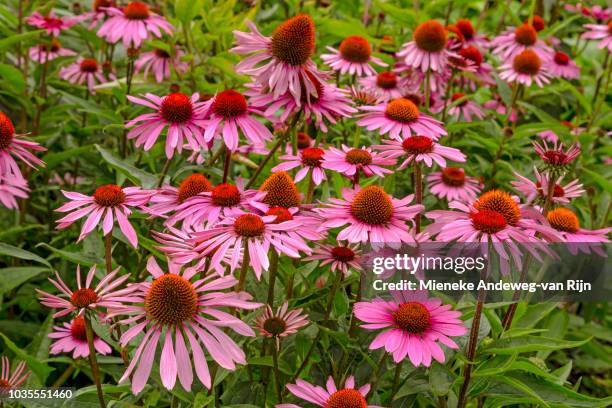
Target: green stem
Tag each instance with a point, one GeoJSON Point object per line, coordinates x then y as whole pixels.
{"type": "Point", "coordinates": [277, 377]}
{"type": "Point", "coordinates": [418, 191]}
{"type": "Point", "coordinates": [244, 269]}
{"type": "Point", "coordinates": [273, 272]}
{"type": "Point", "coordinates": [95, 370]}
{"type": "Point", "coordinates": [164, 173]}
{"type": "Point", "coordinates": [108, 246]}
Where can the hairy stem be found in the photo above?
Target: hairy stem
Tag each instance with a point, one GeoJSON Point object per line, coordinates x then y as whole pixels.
{"type": "Point", "coordinates": [95, 370]}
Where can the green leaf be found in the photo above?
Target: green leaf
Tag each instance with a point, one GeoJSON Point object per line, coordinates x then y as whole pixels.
{"type": "Point", "coordinates": [599, 179]}
{"type": "Point", "coordinates": [187, 10]}
{"type": "Point", "coordinates": [54, 159]}
{"type": "Point", "coordinates": [7, 42]}
{"type": "Point", "coordinates": [13, 77]}
{"type": "Point", "coordinates": [140, 177]}
{"type": "Point", "coordinates": [529, 343]}
{"type": "Point", "coordinates": [39, 369]}
{"type": "Point", "coordinates": [12, 277]}
{"type": "Point", "coordinates": [74, 257]}
{"type": "Point", "coordinates": [440, 379]}
{"type": "Point", "coordinates": [9, 250]}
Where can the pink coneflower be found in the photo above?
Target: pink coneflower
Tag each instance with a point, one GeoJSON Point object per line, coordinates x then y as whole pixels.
{"type": "Point", "coordinates": [226, 112]}
{"type": "Point", "coordinates": [181, 114]}
{"type": "Point", "coordinates": [13, 144]}
{"type": "Point", "coordinates": [597, 11]}
{"type": "Point", "coordinates": [8, 380]}
{"type": "Point", "coordinates": [465, 108]}
{"type": "Point", "coordinates": [498, 105]}
{"type": "Point", "coordinates": [549, 136]}
{"type": "Point", "coordinates": [168, 198]}
{"type": "Point", "coordinates": [340, 257]}
{"type": "Point", "coordinates": [281, 63]}
{"type": "Point", "coordinates": [330, 397]}
{"type": "Point", "coordinates": [173, 306]}
{"type": "Point", "coordinates": [453, 185]}
{"type": "Point", "coordinates": [309, 159]}
{"type": "Point", "coordinates": [555, 156]}
{"type": "Point", "coordinates": [84, 70]}
{"type": "Point", "coordinates": [51, 23]}
{"type": "Point", "coordinates": [11, 188]}
{"type": "Point", "coordinates": [72, 338]}
{"type": "Point", "coordinates": [349, 161]}
{"type": "Point", "coordinates": [416, 324]}
{"type": "Point", "coordinates": [256, 234]}
{"type": "Point", "coordinates": [283, 323]}
{"type": "Point", "coordinates": [526, 68]}
{"type": "Point", "coordinates": [601, 32]}
{"type": "Point", "coordinates": [223, 200]}
{"type": "Point", "coordinates": [159, 62]}
{"type": "Point", "coordinates": [467, 36]}
{"type": "Point", "coordinates": [46, 52]}
{"type": "Point", "coordinates": [482, 69]}
{"type": "Point", "coordinates": [539, 189]}
{"type": "Point", "coordinates": [109, 201]}
{"type": "Point", "coordinates": [99, 12]}
{"type": "Point", "coordinates": [353, 57]}
{"type": "Point", "coordinates": [105, 294]}
{"type": "Point", "coordinates": [419, 149]}
{"type": "Point", "coordinates": [132, 24]}
{"type": "Point", "coordinates": [427, 51]}
{"type": "Point", "coordinates": [562, 66]}
{"type": "Point", "coordinates": [400, 118]}
{"type": "Point", "coordinates": [372, 215]}
{"type": "Point", "coordinates": [516, 40]}
{"type": "Point", "coordinates": [577, 239]}
{"type": "Point", "coordinates": [362, 96]}
{"type": "Point", "coordinates": [386, 85]}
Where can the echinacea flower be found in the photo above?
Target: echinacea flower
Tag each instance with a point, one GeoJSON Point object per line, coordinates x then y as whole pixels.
{"type": "Point", "coordinates": [72, 338]}
{"type": "Point", "coordinates": [427, 51]}
{"type": "Point", "coordinates": [526, 68]}
{"type": "Point", "coordinates": [562, 66]}
{"type": "Point", "coordinates": [340, 257]}
{"type": "Point", "coordinates": [330, 397]}
{"type": "Point", "coordinates": [309, 159]}
{"type": "Point", "coordinates": [400, 118]}
{"type": "Point", "coordinates": [11, 188]}
{"type": "Point", "coordinates": [282, 323]}
{"type": "Point", "coordinates": [350, 161]}
{"type": "Point", "coordinates": [468, 37]}
{"type": "Point", "coordinates": [352, 57]}
{"type": "Point", "coordinates": [362, 96]}
{"type": "Point", "coordinates": [51, 23]}
{"type": "Point", "coordinates": [601, 32]}
{"type": "Point", "coordinates": [105, 294]}
{"type": "Point", "coordinates": [99, 12]}
{"type": "Point", "coordinates": [110, 202]}
{"type": "Point", "coordinates": [168, 198]}
{"type": "Point", "coordinates": [159, 61]}
{"type": "Point", "coordinates": [555, 156]}
{"type": "Point", "coordinates": [372, 216]}
{"type": "Point", "coordinates": [229, 111]}
{"type": "Point", "coordinates": [45, 52]}
{"type": "Point", "coordinates": [415, 323]}
{"type": "Point", "coordinates": [385, 85]}
{"type": "Point", "coordinates": [172, 307]}
{"type": "Point", "coordinates": [281, 63]}
{"type": "Point", "coordinates": [419, 149]}
{"type": "Point", "coordinates": [465, 108]}
{"type": "Point", "coordinates": [482, 69]}
{"type": "Point", "coordinates": [516, 40]}
{"type": "Point", "coordinates": [183, 116]}
{"type": "Point", "coordinates": [452, 184]}
{"type": "Point", "coordinates": [576, 238]}
{"type": "Point", "coordinates": [13, 144]}
{"type": "Point", "coordinates": [549, 136]}
{"type": "Point", "coordinates": [10, 381]}
{"type": "Point", "coordinates": [281, 191]}
{"type": "Point", "coordinates": [132, 24]}
{"type": "Point", "coordinates": [538, 190]}
{"type": "Point", "coordinates": [84, 70]}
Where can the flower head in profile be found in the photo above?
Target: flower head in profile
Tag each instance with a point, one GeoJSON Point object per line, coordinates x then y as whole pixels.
{"type": "Point", "coordinates": [452, 184]}
{"type": "Point", "coordinates": [466, 35]}
{"type": "Point", "coordinates": [525, 68]}
{"type": "Point", "coordinates": [419, 149]}
{"type": "Point", "coordinates": [184, 316]}
{"type": "Point", "coordinates": [309, 160]}
{"type": "Point", "coordinates": [567, 224]}
{"type": "Point", "coordinates": [340, 257]}
{"type": "Point", "coordinates": [350, 161]}
{"type": "Point", "coordinates": [516, 40]}
{"type": "Point", "coordinates": [99, 12]}
{"type": "Point", "coordinates": [181, 115]}
{"type": "Point", "coordinates": [600, 32]}
{"type": "Point", "coordinates": [10, 381]}
{"type": "Point", "coordinates": [12, 188]}
{"type": "Point", "coordinates": [15, 146]}
{"type": "Point", "coordinates": [353, 57]}
{"type": "Point", "coordinates": [415, 325]}
{"type": "Point", "coordinates": [46, 52]}
{"type": "Point", "coordinates": [330, 396]}
{"type": "Point", "coordinates": [53, 24]}
{"type": "Point", "coordinates": [482, 70]}
{"type": "Point", "coordinates": [538, 190]}
{"type": "Point", "coordinates": [226, 113]}
{"type": "Point", "coordinates": [281, 191]}
{"type": "Point", "coordinates": [562, 66]}
{"type": "Point", "coordinates": [160, 63]}
{"type": "Point", "coordinates": [282, 323]}
{"type": "Point", "coordinates": [371, 214]}
{"type": "Point", "coordinates": [71, 337]}
{"type": "Point", "coordinates": [133, 24]}
{"type": "Point", "coordinates": [555, 157]}
{"type": "Point", "coordinates": [427, 50]}
{"type": "Point", "coordinates": [400, 118]}
{"type": "Point", "coordinates": [84, 71]}
{"type": "Point", "coordinates": [281, 63]}
{"type": "Point", "coordinates": [106, 294]}
{"type": "Point", "coordinates": [465, 108]}
{"type": "Point", "coordinates": [386, 86]}
{"type": "Point", "coordinates": [109, 202]}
